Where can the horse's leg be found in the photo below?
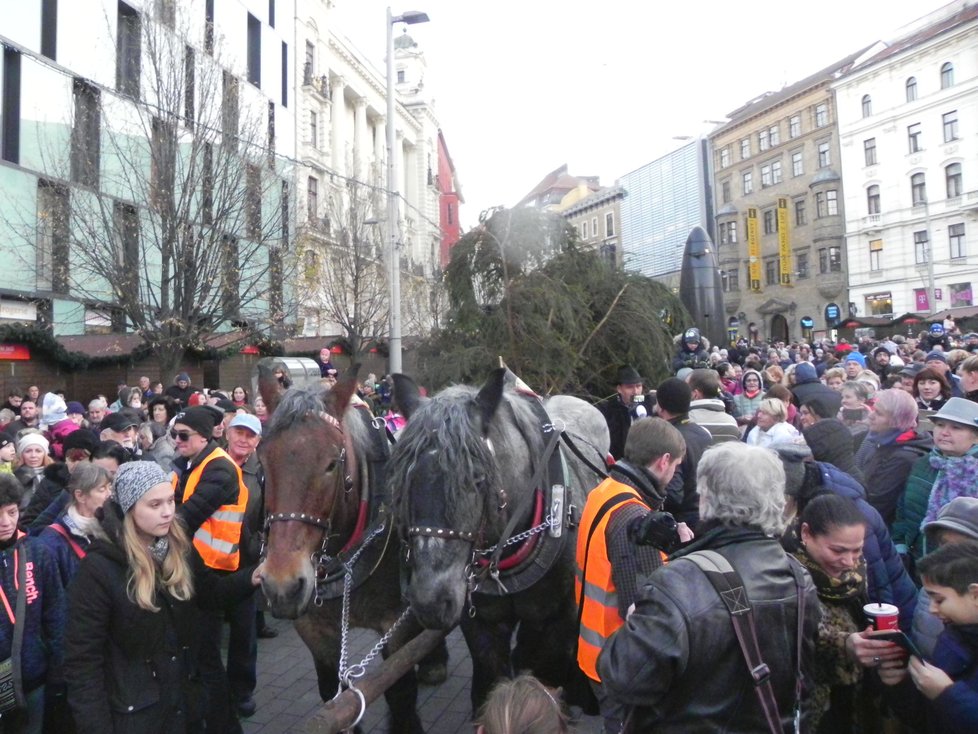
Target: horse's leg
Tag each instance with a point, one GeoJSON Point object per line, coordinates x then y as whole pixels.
{"type": "Point", "coordinates": [545, 647]}
{"type": "Point", "coordinates": [433, 668]}
{"type": "Point", "coordinates": [488, 644]}
{"type": "Point", "coordinates": [322, 638]}
{"type": "Point", "coordinates": [402, 696]}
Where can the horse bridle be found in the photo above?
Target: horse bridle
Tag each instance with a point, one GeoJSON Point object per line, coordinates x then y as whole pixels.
{"type": "Point", "coordinates": [326, 525]}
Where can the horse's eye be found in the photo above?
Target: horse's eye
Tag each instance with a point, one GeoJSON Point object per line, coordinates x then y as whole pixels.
{"type": "Point", "coordinates": [331, 466]}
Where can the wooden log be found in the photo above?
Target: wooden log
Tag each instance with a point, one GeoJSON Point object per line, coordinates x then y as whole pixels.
{"type": "Point", "coordinates": [340, 713]}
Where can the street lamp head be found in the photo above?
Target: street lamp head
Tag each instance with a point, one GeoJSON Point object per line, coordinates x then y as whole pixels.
{"type": "Point", "coordinates": [411, 17]}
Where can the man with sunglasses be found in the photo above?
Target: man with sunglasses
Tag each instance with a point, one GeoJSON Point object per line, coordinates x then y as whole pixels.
{"type": "Point", "coordinates": [211, 500]}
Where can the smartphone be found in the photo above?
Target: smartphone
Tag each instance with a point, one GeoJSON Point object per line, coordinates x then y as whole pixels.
{"type": "Point", "coordinates": [901, 639]}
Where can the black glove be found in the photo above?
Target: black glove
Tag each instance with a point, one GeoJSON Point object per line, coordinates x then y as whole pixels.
{"type": "Point", "coordinates": [658, 529]}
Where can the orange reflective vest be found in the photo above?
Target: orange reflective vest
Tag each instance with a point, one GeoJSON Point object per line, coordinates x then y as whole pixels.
{"type": "Point", "coordinates": [599, 606]}
{"type": "Point", "coordinates": [218, 539]}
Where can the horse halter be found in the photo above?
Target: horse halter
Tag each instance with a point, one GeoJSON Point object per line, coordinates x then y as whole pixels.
{"type": "Point", "coordinates": [325, 524]}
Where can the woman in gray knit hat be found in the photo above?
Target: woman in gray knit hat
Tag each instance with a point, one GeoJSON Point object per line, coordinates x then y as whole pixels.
{"type": "Point", "coordinates": [131, 641]}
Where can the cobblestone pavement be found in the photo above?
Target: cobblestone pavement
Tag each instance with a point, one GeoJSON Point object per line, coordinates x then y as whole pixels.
{"type": "Point", "coordinates": [288, 697]}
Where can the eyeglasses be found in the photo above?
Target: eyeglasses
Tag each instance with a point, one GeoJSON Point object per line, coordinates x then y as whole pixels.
{"type": "Point", "coordinates": [182, 435]}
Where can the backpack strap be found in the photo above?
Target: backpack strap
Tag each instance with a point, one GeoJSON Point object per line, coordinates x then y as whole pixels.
{"type": "Point", "coordinates": [730, 587]}
{"type": "Point", "coordinates": [59, 529]}
{"type": "Point", "coordinates": [21, 621]}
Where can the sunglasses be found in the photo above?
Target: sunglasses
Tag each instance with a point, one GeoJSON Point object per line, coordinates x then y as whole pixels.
{"type": "Point", "coordinates": [182, 435]}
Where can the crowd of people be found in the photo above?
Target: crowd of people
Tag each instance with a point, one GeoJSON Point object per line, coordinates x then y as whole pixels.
{"type": "Point", "coordinates": [824, 486]}
{"type": "Point", "coordinates": [789, 534]}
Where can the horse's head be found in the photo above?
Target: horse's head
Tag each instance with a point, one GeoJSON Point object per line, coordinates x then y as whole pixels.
{"type": "Point", "coordinates": [305, 453]}
{"type": "Point", "coordinates": [444, 477]}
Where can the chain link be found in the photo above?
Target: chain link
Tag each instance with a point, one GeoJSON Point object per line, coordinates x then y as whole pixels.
{"type": "Point", "coordinates": [547, 523]}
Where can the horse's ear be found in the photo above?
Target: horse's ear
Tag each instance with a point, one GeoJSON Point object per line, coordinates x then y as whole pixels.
{"type": "Point", "coordinates": [269, 387]}
{"type": "Point", "coordinates": [406, 396]}
{"type": "Point", "coordinates": [338, 397]}
{"type": "Point", "coordinates": [490, 396]}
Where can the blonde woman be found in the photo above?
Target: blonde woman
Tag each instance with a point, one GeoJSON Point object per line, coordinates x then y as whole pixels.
{"type": "Point", "coordinates": [772, 426]}
{"type": "Point", "coordinates": [131, 642]}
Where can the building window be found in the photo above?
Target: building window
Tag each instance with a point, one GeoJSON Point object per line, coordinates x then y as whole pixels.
{"type": "Point", "coordinates": [952, 177]}
{"type": "Point", "coordinates": [230, 276]}
{"type": "Point", "coordinates": [794, 126]}
{"type": "Point", "coordinates": [309, 67]}
{"type": "Point", "coordinates": [800, 216]}
{"type": "Point", "coordinates": [867, 105]}
{"type": "Point", "coordinates": [401, 76]}
{"type": "Point", "coordinates": [869, 151]}
{"type": "Point", "coordinates": [189, 87]}
{"type": "Point", "coordinates": [955, 237]}
{"type": "Point", "coordinates": [313, 129]}
{"type": "Point", "coordinates": [285, 204]}
{"type": "Point", "coordinates": [163, 162]}
{"type": "Point", "coordinates": [254, 50]}
{"type": "Point", "coordinates": [748, 183]}
{"type": "Point", "coordinates": [879, 304]}
{"type": "Point", "coordinates": [960, 294]}
{"type": "Point", "coordinates": [10, 107]}
{"type": "Point", "coordinates": [765, 175]}
{"type": "Point", "coordinates": [584, 230]}
{"type": "Point", "coordinates": [724, 157]}
{"type": "Point", "coordinates": [797, 163]}
{"type": "Point", "coordinates": [913, 138]}
{"type": "Point", "coordinates": [730, 280]}
{"type": "Point", "coordinates": [594, 227]}
{"type": "Point", "coordinates": [166, 13]}
{"type": "Point", "coordinates": [827, 204]}
{"type": "Point", "coordinates": [253, 201]}
{"type": "Point", "coordinates": [209, 26]}
{"type": "Point", "coordinates": [763, 142]}
{"type": "Point", "coordinates": [918, 189]}
{"type": "Point", "coordinates": [49, 28]}
{"type": "Point", "coordinates": [85, 134]}
{"type": "Point", "coordinates": [876, 255]}
{"type": "Point", "coordinates": [128, 53]}
{"type": "Point", "coordinates": [312, 199]}
{"type": "Point", "coordinates": [207, 185]}
{"type": "Point", "coordinates": [770, 221]}
{"type": "Point", "coordinates": [920, 250]}
{"type": "Point", "coordinates": [271, 13]}
{"type": "Point", "coordinates": [824, 154]}
{"type": "Point", "coordinates": [821, 115]}
{"type": "Point", "coordinates": [911, 87]}
{"type": "Point", "coordinates": [774, 133]}
{"type": "Point", "coordinates": [801, 261]}
{"type": "Point", "coordinates": [270, 134]}
{"type": "Point", "coordinates": [950, 120]}
{"type": "Point", "coordinates": [229, 110]}
{"type": "Point", "coordinates": [771, 272]}
{"type": "Point", "coordinates": [728, 233]}
{"type": "Point", "coordinates": [745, 149]}
{"type": "Point", "coordinates": [830, 260]}
{"type": "Point", "coordinates": [947, 75]}
{"type": "Point", "coordinates": [725, 191]}
{"type": "Point", "coordinates": [53, 236]}
{"type": "Point", "coordinates": [873, 200]}
{"type": "Point", "coordinates": [125, 220]}
{"type": "Point", "coordinates": [285, 74]}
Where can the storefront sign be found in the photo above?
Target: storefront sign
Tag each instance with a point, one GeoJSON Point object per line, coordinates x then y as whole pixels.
{"type": "Point", "coordinates": [14, 351]}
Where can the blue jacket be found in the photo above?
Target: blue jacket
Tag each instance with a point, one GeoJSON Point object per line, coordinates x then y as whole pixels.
{"type": "Point", "coordinates": [61, 551]}
{"type": "Point", "coordinates": [888, 580]}
{"type": "Point", "coordinates": [42, 650]}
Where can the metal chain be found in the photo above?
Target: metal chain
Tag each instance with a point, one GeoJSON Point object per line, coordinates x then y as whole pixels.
{"type": "Point", "coordinates": [346, 674]}
{"type": "Point", "coordinates": [520, 537]}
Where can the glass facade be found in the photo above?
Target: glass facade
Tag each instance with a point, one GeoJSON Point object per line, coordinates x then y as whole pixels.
{"type": "Point", "coordinates": [666, 199]}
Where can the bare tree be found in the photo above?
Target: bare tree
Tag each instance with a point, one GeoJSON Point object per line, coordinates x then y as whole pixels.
{"type": "Point", "coordinates": [168, 208]}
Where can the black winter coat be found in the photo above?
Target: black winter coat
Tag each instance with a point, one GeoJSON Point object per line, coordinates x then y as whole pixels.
{"type": "Point", "coordinates": [676, 660]}
{"type": "Point", "coordinates": [886, 468]}
{"type": "Point", "coordinates": [129, 669]}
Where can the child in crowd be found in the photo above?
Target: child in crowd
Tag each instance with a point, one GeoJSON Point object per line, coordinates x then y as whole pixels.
{"type": "Point", "coordinates": [854, 412]}
{"type": "Point", "coordinates": [8, 452]}
{"type": "Point", "coordinates": [950, 682]}
{"type": "Point", "coordinates": [522, 706]}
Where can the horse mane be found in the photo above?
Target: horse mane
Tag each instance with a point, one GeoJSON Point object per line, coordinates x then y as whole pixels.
{"type": "Point", "coordinates": [299, 404]}
{"type": "Point", "coordinates": [448, 427]}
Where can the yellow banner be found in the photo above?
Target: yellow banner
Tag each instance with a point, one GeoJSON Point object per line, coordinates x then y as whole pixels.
{"type": "Point", "coordinates": [784, 243]}
{"type": "Point", "coordinates": [753, 250]}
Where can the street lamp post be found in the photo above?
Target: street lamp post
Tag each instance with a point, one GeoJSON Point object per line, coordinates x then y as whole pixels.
{"type": "Point", "coordinates": [393, 221]}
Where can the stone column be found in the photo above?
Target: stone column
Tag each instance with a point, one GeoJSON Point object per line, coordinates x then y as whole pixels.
{"type": "Point", "coordinates": [361, 146]}
{"type": "Point", "coordinates": [337, 118]}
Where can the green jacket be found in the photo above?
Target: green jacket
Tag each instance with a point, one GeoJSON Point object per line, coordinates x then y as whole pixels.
{"type": "Point", "coordinates": [912, 508]}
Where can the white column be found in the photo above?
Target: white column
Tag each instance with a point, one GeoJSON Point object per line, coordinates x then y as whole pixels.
{"type": "Point", "coordinates": [361, 147]}
{"type": "Point", "coordinates": [337, 125]}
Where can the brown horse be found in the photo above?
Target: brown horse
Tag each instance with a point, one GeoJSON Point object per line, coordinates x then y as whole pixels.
{"type": "Point", "coordinates": [318, 453]}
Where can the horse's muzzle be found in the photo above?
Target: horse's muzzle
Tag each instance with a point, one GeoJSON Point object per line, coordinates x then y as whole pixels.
{"type": "Point", "coordinates": [287, 599]}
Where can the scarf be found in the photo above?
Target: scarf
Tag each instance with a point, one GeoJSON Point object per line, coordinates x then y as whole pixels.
{"type": "Point", "coordinates": [872, 442]}
{"type": "Point", "coordinates": [88, 528]}
{"type": "Point", "coordinates": [955, 478]}
{"type": "Point", "coordinates": [159, 548]}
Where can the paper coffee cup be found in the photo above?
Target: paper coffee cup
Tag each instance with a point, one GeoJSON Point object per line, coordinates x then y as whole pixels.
{"type": "Point", "coordinates": [882, 616]}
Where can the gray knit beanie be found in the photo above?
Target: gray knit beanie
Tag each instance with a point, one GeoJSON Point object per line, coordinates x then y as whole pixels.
{"type": "Point", "coordinates": [134, 479]}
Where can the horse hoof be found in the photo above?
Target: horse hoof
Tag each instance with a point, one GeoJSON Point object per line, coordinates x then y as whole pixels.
{"type": "Point", "coordinates": [433, 674]}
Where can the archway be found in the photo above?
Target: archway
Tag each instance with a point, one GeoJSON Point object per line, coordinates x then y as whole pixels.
{"type": "Point", "coordinates": [779, 329]}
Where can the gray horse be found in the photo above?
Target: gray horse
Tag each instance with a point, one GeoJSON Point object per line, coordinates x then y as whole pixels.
{"type": "Point", "coordinates": [467, 461]}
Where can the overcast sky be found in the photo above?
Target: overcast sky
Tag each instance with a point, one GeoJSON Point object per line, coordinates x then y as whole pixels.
{"type": "Point", "coordinates": [523, 86]}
